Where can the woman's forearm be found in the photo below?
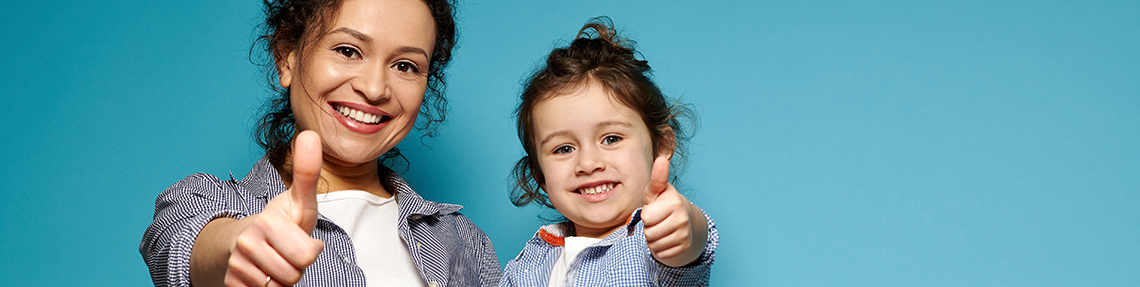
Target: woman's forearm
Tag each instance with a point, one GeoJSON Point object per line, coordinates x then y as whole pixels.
{"type": "Point", "coordinates": [210, 255]}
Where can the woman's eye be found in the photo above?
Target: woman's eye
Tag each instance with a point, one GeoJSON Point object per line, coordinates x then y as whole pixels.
{"type": "Point", "coordinates": [407, 67]}
{"type": "Point", "coordinates": [347, 52]}
{"type": "Point", "coordinates": [563, 149]}
{"type": "Point", "coordinates": [609, 140]}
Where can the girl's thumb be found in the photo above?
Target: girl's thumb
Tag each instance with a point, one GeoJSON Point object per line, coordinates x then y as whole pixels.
{"type": "Point", "coordinates": [658, 179]}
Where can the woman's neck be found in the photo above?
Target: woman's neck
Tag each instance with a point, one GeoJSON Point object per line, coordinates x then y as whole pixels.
{"type": "Point", "coordinates": [338, 175]}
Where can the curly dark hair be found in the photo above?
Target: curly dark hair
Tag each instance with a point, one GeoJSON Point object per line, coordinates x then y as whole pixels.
{"type": "Point", "coordinates": [597, 54]}
{"type": "Point", "coordinates": [294, 26]}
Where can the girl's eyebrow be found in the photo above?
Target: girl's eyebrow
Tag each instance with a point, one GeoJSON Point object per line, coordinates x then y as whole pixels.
{"type": "Point", "coordinates": [552, 135]}
{"type": "Point", "coordinates": [596, 127]}
{"type": "Point", "coordinates": [612, 123]}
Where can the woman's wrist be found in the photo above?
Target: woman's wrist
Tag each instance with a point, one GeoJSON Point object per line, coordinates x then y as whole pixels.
{"type": "Point", "coordinates": [209, 258]}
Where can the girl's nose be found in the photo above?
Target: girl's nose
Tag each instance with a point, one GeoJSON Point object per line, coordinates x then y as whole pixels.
{"type": "Point", "coordinates": [589, 161]}
{"type": "Point", "coordinates": [371, 82]}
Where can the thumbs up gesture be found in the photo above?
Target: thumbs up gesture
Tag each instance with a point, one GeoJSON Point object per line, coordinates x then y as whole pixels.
{"type": "Point", "coordinates": [275, 247]}
{"type": "Point", "coordinates": [675, 229]}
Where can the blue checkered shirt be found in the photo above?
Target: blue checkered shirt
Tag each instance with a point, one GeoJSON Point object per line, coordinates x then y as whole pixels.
{"type": "Point", "coordinates": [621, 259]}
{"type": "Point", "coordinates": [447, 248]}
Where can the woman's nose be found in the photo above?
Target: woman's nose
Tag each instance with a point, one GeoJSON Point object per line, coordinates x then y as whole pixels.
{"type": "Point", "coordinates": [371, 82]}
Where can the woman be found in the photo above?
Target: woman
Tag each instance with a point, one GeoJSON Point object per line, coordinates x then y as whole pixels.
{"type": "Point", "coordinates": [320, 208]}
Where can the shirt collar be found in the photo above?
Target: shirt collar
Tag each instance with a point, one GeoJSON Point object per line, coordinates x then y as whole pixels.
{"type": "Point", "coordinates": [555, 234]}
{"type": "Point", "coordinates": [410, 202]}
{"type": "Point", "coordinates": [263, 181]}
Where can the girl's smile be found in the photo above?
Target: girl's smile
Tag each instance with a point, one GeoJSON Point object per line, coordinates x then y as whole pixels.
{"type": "Point", "coordinates": [595, 155]}
{"type": "Point", "coordinates": [595, 193]}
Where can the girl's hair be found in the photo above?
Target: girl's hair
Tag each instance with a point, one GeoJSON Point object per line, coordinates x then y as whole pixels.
{"type": "Point", "coordinates": [296, 25]}
{"type": "Point", "coordinates": [597, 54]}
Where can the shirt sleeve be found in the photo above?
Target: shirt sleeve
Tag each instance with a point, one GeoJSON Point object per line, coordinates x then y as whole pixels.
{"type": "Point", "coordinates": [490, 273]}
{"type": "Point", "coordinates": [180, 212]}
{"type": "Point", "coordinates": [697, 273]}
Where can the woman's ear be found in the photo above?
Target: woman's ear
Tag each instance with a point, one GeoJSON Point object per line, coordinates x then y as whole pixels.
{"type": "Point", "coordinates": [285, 69]}
{"type": "Point", "coordinates": [668, 143]}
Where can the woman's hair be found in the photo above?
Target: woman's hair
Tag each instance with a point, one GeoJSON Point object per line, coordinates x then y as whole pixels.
{"type": "Point", "coordinates": [597, 54]}
{"type": "Point", "coordinates": [294, 26]}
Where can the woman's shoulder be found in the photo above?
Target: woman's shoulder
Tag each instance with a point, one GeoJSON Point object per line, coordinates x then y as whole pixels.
{"type": "Point", "coordinates": [197, 182]}
{"type": "Point", "coordinates": [262, 174]}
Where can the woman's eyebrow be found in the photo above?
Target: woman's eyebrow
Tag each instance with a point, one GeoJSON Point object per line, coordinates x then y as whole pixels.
{"type": "Point", "coordinates": [413, 50]}
{"type": "Point", "coordinates": [353, 33]}
{"type": "Point", "coordinates": [368, 40]}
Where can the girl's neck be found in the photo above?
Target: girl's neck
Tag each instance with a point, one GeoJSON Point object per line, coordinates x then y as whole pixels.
{"type": "Point", "coordinates": [599, 233]}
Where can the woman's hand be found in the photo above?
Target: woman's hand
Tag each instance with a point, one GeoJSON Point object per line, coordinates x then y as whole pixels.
{"type": "Point", "coordinates": [271, 248]}
{"type": "Point", "coordinates": [675, 229]}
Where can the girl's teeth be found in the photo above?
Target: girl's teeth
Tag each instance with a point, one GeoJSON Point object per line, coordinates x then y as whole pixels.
{"type": "Point", "coordinates": [597, 189]}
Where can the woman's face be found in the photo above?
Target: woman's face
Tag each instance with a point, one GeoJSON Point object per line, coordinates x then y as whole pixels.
{"type": "Point", "coordinates": [361, 84]}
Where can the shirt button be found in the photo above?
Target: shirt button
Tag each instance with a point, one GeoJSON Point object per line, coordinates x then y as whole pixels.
{"type": "Point", "coordinates": [415, 217]}
{"type": "Point", "coordinates": [419, 245]}
{"type": "Point", "coordinates": [433, 284]}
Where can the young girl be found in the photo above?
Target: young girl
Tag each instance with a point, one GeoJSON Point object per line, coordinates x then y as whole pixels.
{"type": "Point", "coordinates": [599, 137]}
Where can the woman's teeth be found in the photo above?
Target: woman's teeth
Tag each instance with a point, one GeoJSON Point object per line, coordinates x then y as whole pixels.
{"type": "Point", "coordinates": [358, 115]}
{"type": "Point", "coordinates": [597, 189]}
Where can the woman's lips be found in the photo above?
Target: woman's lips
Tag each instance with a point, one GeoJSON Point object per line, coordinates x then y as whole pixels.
{"type": "Point", "coordinates": [359, 118]}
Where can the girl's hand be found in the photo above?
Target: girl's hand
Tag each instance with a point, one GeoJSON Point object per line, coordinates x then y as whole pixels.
{"type": "Point", "coordinates": [675, 229]}
{"type": "Point", "coordinates": [275, 247]}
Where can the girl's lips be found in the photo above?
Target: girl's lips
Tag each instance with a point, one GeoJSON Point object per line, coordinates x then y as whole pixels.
{"type": "Point", "coordinates": [598, 197]}
{"type": "Point", "coordinates": [358, 126]}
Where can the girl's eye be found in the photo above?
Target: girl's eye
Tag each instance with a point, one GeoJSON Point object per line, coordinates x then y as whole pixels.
{"type": "Point", "coordinates": [407, 67]}
{"type": "Point", "coordinates": [563, 149]}
{"type": "Point", "coordinates": [609, 140]}
{"type": "Point", "coordinates": [347, 52]}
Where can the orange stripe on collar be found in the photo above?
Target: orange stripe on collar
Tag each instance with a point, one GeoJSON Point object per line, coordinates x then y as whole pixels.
{"type": "Point", "coordinates": [630, 224]}
{"type": "Point", "coordinates": [561, 241]}
{"type": "Point", "coordinates": [551, 238]}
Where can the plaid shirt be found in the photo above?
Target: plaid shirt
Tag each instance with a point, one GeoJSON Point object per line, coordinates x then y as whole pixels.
{"type": "Point", "coordinates": [447, 248]}
{"type": "Point", "coordinates": [621, 259]}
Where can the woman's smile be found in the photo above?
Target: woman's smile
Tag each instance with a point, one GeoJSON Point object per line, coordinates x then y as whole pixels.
{"type": "Point", "coordinates": [362, 84]}
{"type": "Point", "coordinates": [359, 118]}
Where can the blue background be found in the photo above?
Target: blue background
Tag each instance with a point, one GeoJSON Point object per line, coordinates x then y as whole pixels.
{"type": "Point", "coordinates": [950, 143]}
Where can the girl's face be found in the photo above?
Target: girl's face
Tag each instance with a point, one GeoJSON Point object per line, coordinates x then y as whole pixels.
{"type": "Point", "coordinates": [360, 86]}
{"type": "Point", "coordinates": [595, 155]}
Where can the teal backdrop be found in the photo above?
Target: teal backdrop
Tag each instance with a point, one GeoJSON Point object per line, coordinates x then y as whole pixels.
{"type": "Point", "coordinates": [874, 143]}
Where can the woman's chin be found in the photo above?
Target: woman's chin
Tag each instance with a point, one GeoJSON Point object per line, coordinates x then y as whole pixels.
{"type": "Point", "coordinates": [354, 156]}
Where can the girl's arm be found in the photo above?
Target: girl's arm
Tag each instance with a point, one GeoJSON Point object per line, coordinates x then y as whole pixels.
{"type": "Point", "coordinates": [675, 229]}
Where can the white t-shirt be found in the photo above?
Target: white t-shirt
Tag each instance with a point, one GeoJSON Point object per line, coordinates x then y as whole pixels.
{"type": "Point", "coordinates": [573, 245]}
{"type": "Point", "coordinates": [371, 223]}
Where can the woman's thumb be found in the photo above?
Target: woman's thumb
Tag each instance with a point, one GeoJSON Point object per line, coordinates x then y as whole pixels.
{"type": "Point", "coordinates": [306, 170]}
